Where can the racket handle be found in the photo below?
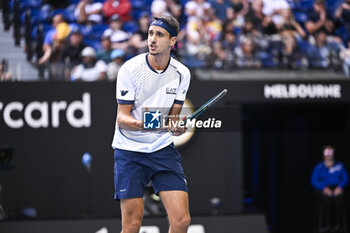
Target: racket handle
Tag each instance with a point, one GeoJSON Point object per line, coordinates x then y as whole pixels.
{"type": "Point", "coordinates": [160, 141]}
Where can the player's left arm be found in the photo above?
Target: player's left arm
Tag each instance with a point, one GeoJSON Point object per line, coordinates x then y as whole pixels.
{"type": "Point", "coordinates": [174, 113]}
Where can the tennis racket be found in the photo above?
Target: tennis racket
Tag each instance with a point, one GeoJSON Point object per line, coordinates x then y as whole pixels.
{"type": "Point", "coordinates": [194, 115]}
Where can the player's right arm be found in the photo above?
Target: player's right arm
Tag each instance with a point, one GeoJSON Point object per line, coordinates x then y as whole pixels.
{"type": "Point", "coordinates": [125, 99]}
{"type": "Point", "coordinates": [125, 120]}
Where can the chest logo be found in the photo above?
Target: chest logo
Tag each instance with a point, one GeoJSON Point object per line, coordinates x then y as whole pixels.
{"type": "Point", "coordinates": [171, 91]}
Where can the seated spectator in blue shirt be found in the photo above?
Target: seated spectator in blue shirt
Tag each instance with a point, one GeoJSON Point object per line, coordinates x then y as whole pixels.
{"type": "Point", "coordinates": [246, 54]}
{"type": "Point", "coordinates": [104, 53]}
{"type": "Point", "coordinates": [220, 7]}
{"type": "Point", "coordinates": [48, 39]}
{"type": "Point", "coordinates": [329, 178]}
{"type": "Point", "coordinates": [319, 54]}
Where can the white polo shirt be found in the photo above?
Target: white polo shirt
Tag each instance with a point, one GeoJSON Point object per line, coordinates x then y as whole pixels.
{"type": "Point", "coordinates": [139, 84]}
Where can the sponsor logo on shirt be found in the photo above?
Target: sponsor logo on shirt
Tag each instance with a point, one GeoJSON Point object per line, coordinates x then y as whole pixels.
{"type": "Point", "coordinates": [335, 169]}
{"type": "Point", "coordinates": [171, 91]}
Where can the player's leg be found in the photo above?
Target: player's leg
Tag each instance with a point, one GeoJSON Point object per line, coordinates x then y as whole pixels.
{"type": "Point", "coordinates": [132, 214]}
{"type": "Point", "coordinates": [176, 205]}
{"type": "Point", "coordinates": [130, 181]}
{"type": "Point", "coordinates": [169, 182]}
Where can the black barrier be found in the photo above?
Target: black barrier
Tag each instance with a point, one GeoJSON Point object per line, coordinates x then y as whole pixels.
{"type": "Point", "coordinates": [51, 126]}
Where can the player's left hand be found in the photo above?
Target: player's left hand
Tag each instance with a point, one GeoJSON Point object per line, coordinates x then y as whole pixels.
{"type": "Point", "coordinates": [179, 129]}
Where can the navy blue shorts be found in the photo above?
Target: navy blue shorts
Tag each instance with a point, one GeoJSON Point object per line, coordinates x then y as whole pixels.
{"type": "Point", "coordinates": [134, 170]}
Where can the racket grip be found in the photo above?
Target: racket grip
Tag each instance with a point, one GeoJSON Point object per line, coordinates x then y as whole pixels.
{"type": "Point", "coordinates": [160, 141]}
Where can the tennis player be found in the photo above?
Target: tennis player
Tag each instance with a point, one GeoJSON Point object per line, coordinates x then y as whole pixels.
{"type": "Point", "coordinates": [151, 81]}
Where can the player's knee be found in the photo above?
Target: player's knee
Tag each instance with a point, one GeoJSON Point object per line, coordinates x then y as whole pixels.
{"type": "Point", "coordinates": [133, 225]}
{"type": "Point", "coordinates": [131, 221]}
{"type": "Point", "coordinates": [182, 222]}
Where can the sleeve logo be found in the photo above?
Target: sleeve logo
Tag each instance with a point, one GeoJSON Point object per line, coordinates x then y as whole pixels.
{"type": "Point", "coordinates": [124, 92]}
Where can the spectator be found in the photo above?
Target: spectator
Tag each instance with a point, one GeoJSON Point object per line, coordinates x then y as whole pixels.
{"type": "Point", "coordinates": [175, 8]}
{"type": "Point", "coordinates": [105, 53]}
{"type": "Point", "coordinates": [249, 31]}
{"type": "Point", "coordinates": [91, 69]}
{"type": "Point", "coordinates": [119, 7]}
{"type": "Point", "coordinates": [288, 25]}
{"type": "Point", "coordinates": [159, 7]}
{"type": "Point", "coordinates": [117, 57]}
{"type": "Point", "coordinates": [292, 56]}
{"type": "Point", "coordinates": [48, 39]}
{"type": "Point", "coordinates": [139, 40]}
{"type": "Point", "coordinates": [345, 56]}
{"type": "Point", "coordinates": [71, 52]}
{"type": "Point", "coordinates": [291, 33]}
{"type": "Point", "coordinates": [273, 8]}
{"type": "Point", "coordinates": [221, 7]}
{"type": "Point", "coordinates": [319, 19]}
{"type": "Point", "coordinates": [329, 178]}
{"type": "Point", "coordinates": [229, 41]}
{"type": "Point", "coordinates": [261, 21]}
{"type": "Point", "coordinates": [166, 7]}
{"type": "Point", "coordinates": [56, 65]}
{"type": "Point", "coordinates": [229, 44]}
{"type": "Point", "coordinates": [319, 54]}
{"type": "Point", "coordinates": [196, 9]}
{"type": "Point", "coordinates": [343, 13]}
{"type": "Point", "coordinates": [89, 12]}
{"type": "Point", "coordinates": [241, 7]}
{"type": "Point", "coordinates": [119, 37]}
{"type": "Point", "coordinates": [218, 59]}
{"type": "Point", "coordinates": [197, 39]}
{"type": "Point", "coordinates": [246, 55]}
{"type": "Point", "coordinates": [5, 73]}
{"type": "Point", "coordinates": [227, 27]}
{"type": "Point", "coordinates": [212, 25]}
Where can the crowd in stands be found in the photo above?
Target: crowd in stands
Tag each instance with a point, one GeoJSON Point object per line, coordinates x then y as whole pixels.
{"type": "Point", "coordinates": [98, 36]}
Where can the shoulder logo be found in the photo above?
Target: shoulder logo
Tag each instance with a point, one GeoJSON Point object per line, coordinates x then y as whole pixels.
{"type": "Point", "coordinates": [124, 92]}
